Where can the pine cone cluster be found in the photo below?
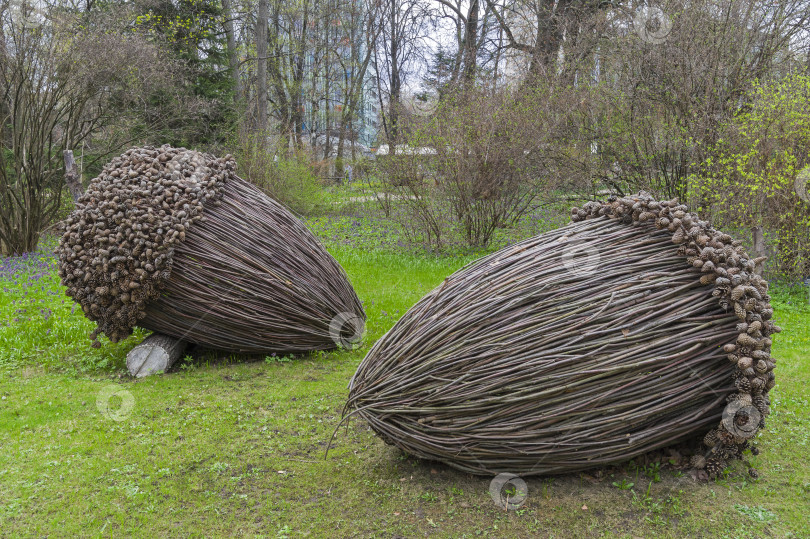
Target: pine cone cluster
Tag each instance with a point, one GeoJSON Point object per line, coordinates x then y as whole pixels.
{"type": "Point", "coordinates": [116, 251]}
{"type": "Point", "coordinates": [722, 262]}
{"type": "Point", "coordinates": [715, 466]}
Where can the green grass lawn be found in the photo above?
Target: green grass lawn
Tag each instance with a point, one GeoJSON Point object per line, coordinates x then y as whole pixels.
{"type": "Point", "coordinates": [230, 446]}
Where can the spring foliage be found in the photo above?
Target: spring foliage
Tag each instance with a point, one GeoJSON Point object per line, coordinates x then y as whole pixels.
{"type": "Point", "coordinates": [751, 177]}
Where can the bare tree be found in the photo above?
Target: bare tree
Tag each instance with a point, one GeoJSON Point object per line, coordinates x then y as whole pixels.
{"type": "Point", "coordinates": [472, 24]}
{"type": "Point", "coordinates": [229, 15]}
{"type": "Point", "coordinates": [401, 48]}
{"type": "Point", "coordinates": [261, 66]}
{"type": "Point", "coordinates": [663, 101]}
{"type": "Point", "coordinates": [358, 41]}
{"type": "Point", "coordinates": [290, 27]}
{"type": "Point", "coordinates": [60, 84]}
{"type": "Point", "coordinates": [542, 30]}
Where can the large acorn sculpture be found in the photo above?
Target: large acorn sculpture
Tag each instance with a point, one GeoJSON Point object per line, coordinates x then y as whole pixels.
{"type": "Point", "coordinates": [633, 328]}
{"type": "Point", "coordinates": [174, 241]}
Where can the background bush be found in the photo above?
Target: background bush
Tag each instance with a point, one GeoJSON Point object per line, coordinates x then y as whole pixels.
{"type": "Point", "coordinates": [287, 177]}
{"type": "Point", "coordinates": [748, 181]}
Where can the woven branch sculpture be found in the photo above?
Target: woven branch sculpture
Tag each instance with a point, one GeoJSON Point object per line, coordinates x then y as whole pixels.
{"type": "Point", "coordinates": [173, 241]}
{"type": "Point", "coordinates": [635, 327]}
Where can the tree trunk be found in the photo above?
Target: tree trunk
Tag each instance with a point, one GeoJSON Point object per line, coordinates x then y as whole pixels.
{"type": "Point", "coordinates": [396, 82]}
{"type": "Point", "coordinates": [327, 116]}
{"type": "Point", "coordinates": [339, 168]}
{"type": "Point", "coordinates": [471, 44]}
{"type": "Point", "coordinates": [72, 178]}
{"type": "Point", "coordinates": [261, 66]}
{"type": "Point", "coordinates": [353, 141]}
{"type": "Point", "coordinates": [156, 353]}
{"type": "Point", "coordinates": [759, 247]}
{"type": "Point", "coordinates": [298, 48]}
{"type": "Point", "coordinates": [233, 59]}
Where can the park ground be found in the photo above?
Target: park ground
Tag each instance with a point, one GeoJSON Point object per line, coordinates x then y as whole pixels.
{"type": "Point", "coordinates": [235, 446]}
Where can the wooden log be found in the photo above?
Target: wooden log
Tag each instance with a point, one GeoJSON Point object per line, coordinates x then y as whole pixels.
{"type": "Point", "coordinates": [758, 232]}
{"type": "Point", "coordinates": [72, 178]}
{"type": "Point", "coordinates": [156, 353]}
{"type": "Point", "coordinates": [802, 183]}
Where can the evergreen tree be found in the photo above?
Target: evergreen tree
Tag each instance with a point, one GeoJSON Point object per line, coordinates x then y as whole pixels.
{"type": "Point", "coordinates": [193, 31]}
{"type": "Point", "coordinates": [440, 75]}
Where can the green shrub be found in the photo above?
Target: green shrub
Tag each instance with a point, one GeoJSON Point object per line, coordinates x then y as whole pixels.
{"type": "Point", "coordinates": [287, 177]}
{"type": "Point", "coordinates": [752, 177]}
